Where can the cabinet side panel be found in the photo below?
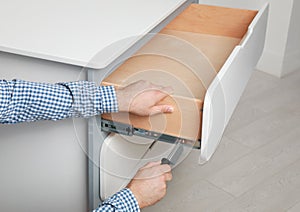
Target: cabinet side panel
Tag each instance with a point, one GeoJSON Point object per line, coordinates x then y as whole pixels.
{"type": "Point", "coordinates": [43, 164]}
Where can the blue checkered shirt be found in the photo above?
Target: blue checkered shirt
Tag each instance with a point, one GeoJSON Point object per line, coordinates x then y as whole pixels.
{"type": "Point", "coordinates": [22, 101]}
{"type": "Point", "coordinates": [122, 201]}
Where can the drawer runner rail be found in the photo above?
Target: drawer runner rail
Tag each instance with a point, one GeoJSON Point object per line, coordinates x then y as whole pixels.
{"type": "Point", "coordinates": [129, 130]}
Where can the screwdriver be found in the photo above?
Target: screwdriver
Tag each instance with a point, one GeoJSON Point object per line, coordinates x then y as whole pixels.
{"type": "Point", "coordinates": [174, 154]}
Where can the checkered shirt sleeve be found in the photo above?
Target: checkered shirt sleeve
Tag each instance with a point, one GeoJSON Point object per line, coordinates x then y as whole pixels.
{"type": "Point", "coordinates": [22, 101]}
{"type": "Point", "coordinates": [90, 100]}
{"type": "Point", "coordinates": [122, 201]}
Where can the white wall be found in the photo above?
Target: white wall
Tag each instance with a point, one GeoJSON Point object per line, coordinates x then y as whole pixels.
{"type": "Point", "coordinates": [246, 4]}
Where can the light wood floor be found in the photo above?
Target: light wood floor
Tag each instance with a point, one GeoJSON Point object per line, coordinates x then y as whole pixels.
{"type": "Point", "coordinates": [257, 165]}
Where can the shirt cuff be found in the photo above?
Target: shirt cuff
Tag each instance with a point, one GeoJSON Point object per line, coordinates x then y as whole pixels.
{"type": "Point", "coordinates": [124, 201]}
{"type": "Point", "coordinates": [109, 99]}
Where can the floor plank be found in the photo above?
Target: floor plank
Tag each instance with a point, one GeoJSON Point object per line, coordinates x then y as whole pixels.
{"type": "Point", "coordinates": [277, 193]}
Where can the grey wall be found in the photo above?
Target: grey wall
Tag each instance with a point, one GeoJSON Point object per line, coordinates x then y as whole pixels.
{"type": "Point", "coordinates": [43, 165]}
{"type": "Point", "coordinates": [292, 56]}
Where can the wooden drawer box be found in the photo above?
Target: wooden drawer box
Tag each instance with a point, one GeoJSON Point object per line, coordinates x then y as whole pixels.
{"type": "Point", "coordinates": [207, 54]}
{"type": "Point", "coordinates": [187, 55]}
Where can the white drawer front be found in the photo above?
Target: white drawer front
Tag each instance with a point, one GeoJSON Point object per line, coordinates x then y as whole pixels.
{"type": "Point", "coordinates": [225, 91]}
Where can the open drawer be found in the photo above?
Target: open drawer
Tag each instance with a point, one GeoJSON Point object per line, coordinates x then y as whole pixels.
{"type": "Point", "coordinates": [207, 54]}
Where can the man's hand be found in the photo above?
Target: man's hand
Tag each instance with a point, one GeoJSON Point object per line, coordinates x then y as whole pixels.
{"type": "Point", "coordinates": [142, 98]}
{"type": "Point", "coordinates": [150, 183]}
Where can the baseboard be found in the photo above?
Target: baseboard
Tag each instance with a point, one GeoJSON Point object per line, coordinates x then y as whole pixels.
{"type": "Point", "coordinates": [291, 63]}
{"type": "Point", "coordinates": [270, 63]}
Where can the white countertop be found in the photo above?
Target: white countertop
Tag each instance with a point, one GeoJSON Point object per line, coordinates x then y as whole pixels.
{"type": "Point", "coordinates": [73, 31]}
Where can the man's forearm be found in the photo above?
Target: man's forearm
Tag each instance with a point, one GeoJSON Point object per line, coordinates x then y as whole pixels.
{"type": "Point", "coordinates": [22, 101]}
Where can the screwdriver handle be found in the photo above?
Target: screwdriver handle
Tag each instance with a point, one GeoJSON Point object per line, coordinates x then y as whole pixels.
{"type": "Point", "coordinates": [165, 161]}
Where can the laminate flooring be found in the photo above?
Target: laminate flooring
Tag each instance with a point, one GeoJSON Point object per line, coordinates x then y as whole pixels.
{"type": "Point", "coordinates": [257, 164]}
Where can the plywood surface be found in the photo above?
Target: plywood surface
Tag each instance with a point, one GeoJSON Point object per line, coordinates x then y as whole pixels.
{"type": "Point", "coordinates": [186, 61]}
{"type": "Point", "coordinates": [213, 20]}
{"type": "Point", "coordinates": [214, 48]}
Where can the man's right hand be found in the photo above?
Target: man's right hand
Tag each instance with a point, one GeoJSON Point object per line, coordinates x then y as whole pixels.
{"type": "Point", "coordinates": [150, 183]}
{"type": "Point", "coordinates": [142, 98]}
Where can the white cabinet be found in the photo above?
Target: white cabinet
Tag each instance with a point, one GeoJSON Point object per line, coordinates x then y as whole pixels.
{"type": "Point", "coordinates": [44, 164]}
